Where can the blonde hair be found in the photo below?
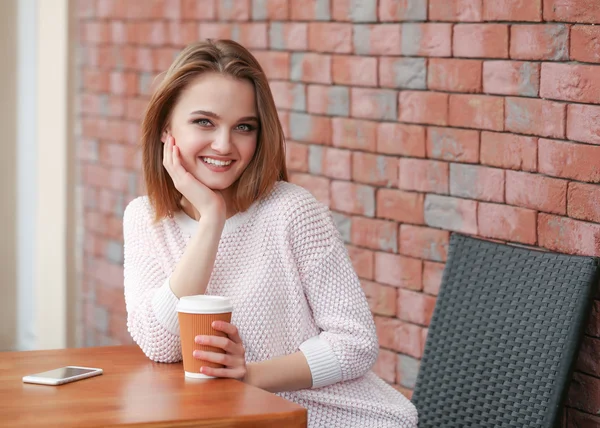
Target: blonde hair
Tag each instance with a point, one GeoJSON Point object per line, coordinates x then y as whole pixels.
{"type": "Point", "coordinates": [268, 163]}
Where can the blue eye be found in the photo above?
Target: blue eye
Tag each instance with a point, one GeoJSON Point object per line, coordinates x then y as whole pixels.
{"type": "Point", "coordinates": [245, 127]}
{"type": "Point", "coordinates": [203, 122]}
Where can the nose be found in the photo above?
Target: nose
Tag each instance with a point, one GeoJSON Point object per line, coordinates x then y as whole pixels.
{"type": "Point", "coordinates": [222, 142]}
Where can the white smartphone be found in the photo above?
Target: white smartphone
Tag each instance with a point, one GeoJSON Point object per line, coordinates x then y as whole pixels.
{"type": "Point", "coordinates": [62, 375]}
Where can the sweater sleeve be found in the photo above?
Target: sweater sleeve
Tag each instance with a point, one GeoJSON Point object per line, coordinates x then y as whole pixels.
{"type": "Point", "coordinates": [150, 303]}
{"type": "Point", "coordinates": [347, 345]}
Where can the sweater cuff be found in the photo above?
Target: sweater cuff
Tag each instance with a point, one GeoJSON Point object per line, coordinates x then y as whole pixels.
{"type": "Point", "coordinates": [323, 363]}
{"type": "Point", "coordinates": [164, 304]}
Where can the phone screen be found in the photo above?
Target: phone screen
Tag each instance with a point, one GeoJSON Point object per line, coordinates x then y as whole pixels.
{"type": "Point", "coordinates": [64, 372]}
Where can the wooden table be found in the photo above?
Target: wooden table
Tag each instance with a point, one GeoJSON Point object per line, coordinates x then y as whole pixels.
{"type": "Point", "coordinates": [133, 391]}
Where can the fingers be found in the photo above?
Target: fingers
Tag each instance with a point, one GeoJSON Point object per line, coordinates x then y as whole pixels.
{"type": "Point", "coordinates": [172, 162]}
{"type": "Point", "coordinates": [168, 153]}
{"type": "Point", "coordinates": [229, 329]}
{"type": "Point", "coordinates": [227, 360]}
{"type": "Point", "coordinates": [237, 373]}
{"type": "Point", "coordinates": [235, 365]}
{"type": "Point", "coordinates": [168, 158]}
{"type": "Point", "coordinates": [177, 166]}
{"type": "Point", "coordinates": [221, 342]}
{"type": "Point", "coordinates": [234, 358]}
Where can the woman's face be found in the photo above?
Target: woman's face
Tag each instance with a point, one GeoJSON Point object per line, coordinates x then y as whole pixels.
{"type": "Point", "coordinates": [215, 125]}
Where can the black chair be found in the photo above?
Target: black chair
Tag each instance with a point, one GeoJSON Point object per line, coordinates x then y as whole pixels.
{"type": "Point", "coordinates": [504, 336]}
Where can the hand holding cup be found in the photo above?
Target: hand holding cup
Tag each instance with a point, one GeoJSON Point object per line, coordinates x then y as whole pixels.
{"type": "Point", "coordinates": [233, 357]}
{"type": "Point", "coordinates": [197, 316]}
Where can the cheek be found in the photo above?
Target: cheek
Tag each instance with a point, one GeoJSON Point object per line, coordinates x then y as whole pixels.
{"type": "Point", "coordinates": [248, 150]}
{"type": "Point", "coordinates": [191, 143]}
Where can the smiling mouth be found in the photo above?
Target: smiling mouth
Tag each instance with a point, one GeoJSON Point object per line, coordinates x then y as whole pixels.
{"type": "Point", "coordinates": [216, 162]}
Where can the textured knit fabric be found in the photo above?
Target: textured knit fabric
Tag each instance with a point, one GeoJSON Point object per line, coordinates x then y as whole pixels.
{"type": "Point", "coordinates": [286, 269]}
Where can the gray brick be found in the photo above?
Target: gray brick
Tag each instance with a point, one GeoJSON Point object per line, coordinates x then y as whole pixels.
{"type": "Point", "coordinates": [301, 129]}
{"type": "Point", "coordinates": [145, 83]}
{"type": "Point", "coordinates": [132, 183]}
{"type": "Point", "coordinates": [517, 116]}
{"type": "Point", "coordinates": [409, 369]}
{"type": "Point", "coordinates": [440, 140]}
{"type": "Point", "coordinates": [362, 39]}
{"type": "Point", "coordinates": [299, 97]}
{"type": "Point", "coordinates": [114, 252]}
{"type": "Point", "coordinates": [477, 182]}
{"type": "Point", "coordinates": [461, 177]}
{"type": "Point", "coordinates": [559, 34]}
{"type": "Point", "coordinates": [322, 10]}
{"type": "Point", "coordinates": [339, 101]}
{"type": "Point", "coordinates": [441, 212]}
{"type": "Point", "coordinates": [259, 10]}
{"type": "Point", "coordinates": [89, 295]}
{"type": "Point", "coordinates": [235, 33]}
{"type": "Point", "coordinates": [118, 58]}
{"type": "Point", "coordinates": [225, 5]}
{"type": "Point", "coordinates": [410, 73]}
{"type": "Point", "coordinates": [343, 224]}
{"type": "Point", "coordinates": [450, 213]}
{"type": "Point", "coordinates": [366, 194]}
{"type": "Point", "coordinates": [411, 39]}
{"type": "Point", "coordinates": [119, 208]}
{"type": "Point", "coordinates": [297, 62]}
{"type": "Point", "coordinates": [101, 319]}
{"type": "Point", "coordinates": [93, 149]}
{"type": "Point", "coordinates": [386, 102]}
{"type": "Point", "coordinates": [300, 125]}
{"type": "Point", "coordinates": [315, 159]}
{"type": "Point", "coordinates": [363, 10]}
{"type": "Point", "coordinates": [529, 83]}
{"type": "Point", "coordinates": [104, 109]}
{"type": "Point", "coordinates": [416, 10]}
{"type": "Point", "coordinates": [276, 37]}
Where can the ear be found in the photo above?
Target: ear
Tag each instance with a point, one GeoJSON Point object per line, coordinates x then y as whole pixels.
{"type": "Point", "coordinates": [164, 135]}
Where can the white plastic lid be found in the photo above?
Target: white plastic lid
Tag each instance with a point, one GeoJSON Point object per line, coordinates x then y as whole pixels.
{"type": "Point", "coordinates": [202, 304]}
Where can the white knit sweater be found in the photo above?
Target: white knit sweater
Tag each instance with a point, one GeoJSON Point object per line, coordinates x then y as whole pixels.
{"type": "Point", "coordinates": [286, 269]}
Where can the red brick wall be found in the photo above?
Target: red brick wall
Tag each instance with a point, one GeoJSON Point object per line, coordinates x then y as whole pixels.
{"type": "Point", "coordinates": [409, 118]}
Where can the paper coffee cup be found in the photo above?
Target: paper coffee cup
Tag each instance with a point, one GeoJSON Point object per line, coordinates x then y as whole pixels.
{"type": "Point", "coordinates": [196, 315]}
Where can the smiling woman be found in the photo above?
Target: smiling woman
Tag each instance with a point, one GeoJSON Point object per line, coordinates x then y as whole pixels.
{"type": "Point", "coordinates": [220, 219]}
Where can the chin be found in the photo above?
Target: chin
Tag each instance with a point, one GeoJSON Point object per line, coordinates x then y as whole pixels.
{"type": "Point", "coordinates": [216, 185]}
{"type": "Point", "coordinates": [209, 181]}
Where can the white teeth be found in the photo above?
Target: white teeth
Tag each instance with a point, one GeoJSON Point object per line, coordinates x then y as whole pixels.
{"type": "Point", "coordinates": [216, 162]}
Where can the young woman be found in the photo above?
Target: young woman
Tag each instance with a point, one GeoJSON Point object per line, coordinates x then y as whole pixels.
{"type": "Point", "coordinates": [221, 219]}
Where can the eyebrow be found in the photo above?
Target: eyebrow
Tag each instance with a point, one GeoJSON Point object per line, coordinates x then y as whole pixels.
{"type": "Point", "coordinates": [216, 116]}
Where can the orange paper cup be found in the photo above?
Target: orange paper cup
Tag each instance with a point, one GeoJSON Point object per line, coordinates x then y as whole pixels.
{"type": "Point", "coordinates": [196, 314]}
